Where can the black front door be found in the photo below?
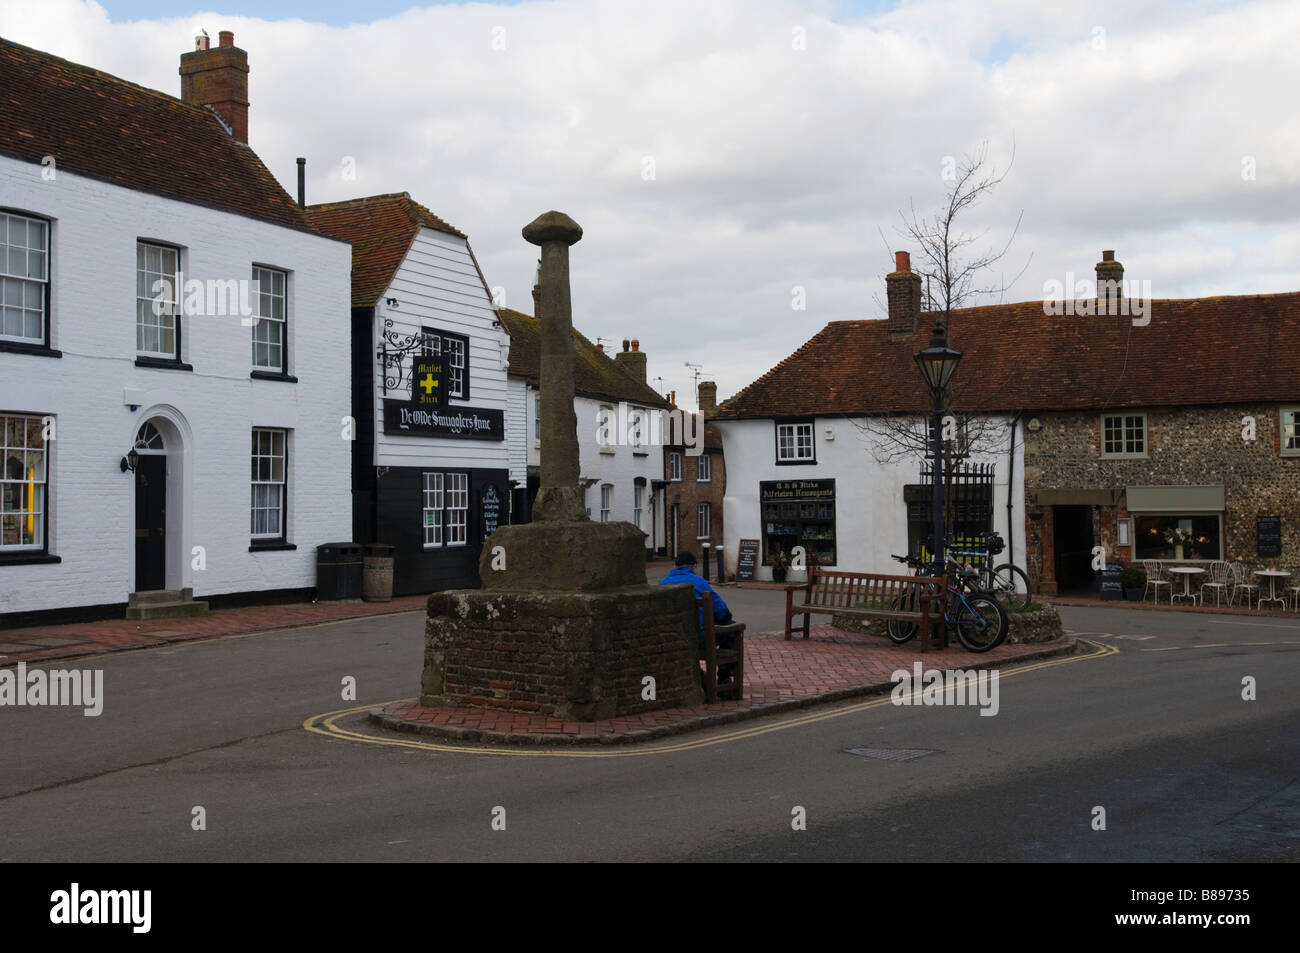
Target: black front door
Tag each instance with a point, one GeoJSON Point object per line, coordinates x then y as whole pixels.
{"type": "Point", "coordinates": [151, 523]}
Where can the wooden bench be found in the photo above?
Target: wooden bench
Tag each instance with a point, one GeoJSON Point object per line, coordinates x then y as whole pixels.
{"type": "Point", "coordinates": [713, 656]}
{"type": "Point", "coordinates": [871, 596]}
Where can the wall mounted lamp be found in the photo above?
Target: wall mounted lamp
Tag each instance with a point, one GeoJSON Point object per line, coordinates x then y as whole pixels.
{"type": "Point", "coordinates": [129, 461]}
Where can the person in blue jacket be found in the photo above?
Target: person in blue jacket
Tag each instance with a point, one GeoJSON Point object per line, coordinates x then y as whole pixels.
{"type": "Point", "coordinates": [683, 571]}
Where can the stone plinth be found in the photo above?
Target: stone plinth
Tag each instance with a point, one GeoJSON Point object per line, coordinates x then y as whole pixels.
{"type": "Point", "coordinates": [569, 556]}
{"type": "Point", "coordinates": [576, 655]}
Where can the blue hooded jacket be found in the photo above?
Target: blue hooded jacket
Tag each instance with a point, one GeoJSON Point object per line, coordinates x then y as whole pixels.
{"type": "Point", "coordinates": [680, 574]}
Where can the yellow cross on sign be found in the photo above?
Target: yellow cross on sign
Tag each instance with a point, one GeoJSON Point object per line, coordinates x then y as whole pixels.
{"type": "Point", "coordinates": [428, 383]}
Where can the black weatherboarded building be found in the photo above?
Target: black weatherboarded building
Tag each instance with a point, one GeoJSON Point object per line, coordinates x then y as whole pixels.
{"type": "Point", "coordinates": [429, 468]}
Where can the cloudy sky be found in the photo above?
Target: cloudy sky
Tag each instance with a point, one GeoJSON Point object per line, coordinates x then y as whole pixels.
{"type": "Point", "coordinates": [721, 155]}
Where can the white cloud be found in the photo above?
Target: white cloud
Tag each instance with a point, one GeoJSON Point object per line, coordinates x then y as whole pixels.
{"type": "Point", "coordinates": [774, 166]}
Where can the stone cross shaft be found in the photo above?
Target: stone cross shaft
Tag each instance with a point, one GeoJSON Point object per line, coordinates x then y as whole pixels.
{"type": "Point", "coordinates": [558, 497]}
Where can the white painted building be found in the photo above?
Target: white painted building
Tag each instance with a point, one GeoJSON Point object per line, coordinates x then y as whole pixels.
{"type": "Point", "coordinates": [810, 462]}
{"type": "Point", "coordinates": [234, 422]}
{"type": "Point", "coordinates": [621, 478]}
{"type": "Point", "coordinates": [860, 510]}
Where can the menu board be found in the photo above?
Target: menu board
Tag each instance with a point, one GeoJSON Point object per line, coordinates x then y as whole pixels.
{"type": "Point", "coordinates": [748, 559]}
{"type": "Point", "coordinates": [1268, 536]}
{"type": "Point", "coordinates": [1111, 588]}
{"type": "Point", "coordinates": [489, 510]}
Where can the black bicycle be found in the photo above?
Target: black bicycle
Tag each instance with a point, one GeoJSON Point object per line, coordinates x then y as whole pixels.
{"type": "Point", "coordinates": [978, 618]}
{"type": "Point", "coordinates": [1007, 582]}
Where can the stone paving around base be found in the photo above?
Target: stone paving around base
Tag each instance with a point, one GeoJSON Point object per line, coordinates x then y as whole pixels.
{"type": "Point", "coordinates": [43, 643]}
{"type": "Point", "coordinates": [779, 676]}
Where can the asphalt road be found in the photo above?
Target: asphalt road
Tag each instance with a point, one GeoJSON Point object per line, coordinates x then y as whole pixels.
{"type": "Point", "coordinates": [1157, 734]}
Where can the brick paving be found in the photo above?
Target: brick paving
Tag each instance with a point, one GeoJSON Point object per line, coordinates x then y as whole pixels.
{"type": "Point", "coordinates": [41, 643]}
{"type": "Point", "coordinates": [779, 676]}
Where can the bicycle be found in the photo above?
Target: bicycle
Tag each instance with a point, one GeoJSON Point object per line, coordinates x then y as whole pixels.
{"type": "Point", "coordinates": [1007, 582]}
{"type": "Point", "coordinates": [977, 616]}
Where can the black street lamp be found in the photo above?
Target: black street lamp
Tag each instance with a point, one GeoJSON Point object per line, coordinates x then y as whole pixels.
{"type": "Point", "coordinates": [938, 362]}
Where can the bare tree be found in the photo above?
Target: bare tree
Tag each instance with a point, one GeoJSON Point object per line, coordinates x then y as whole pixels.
{"type": "Point", "coordinates": [956, 274]}
{"type": "Point", "coordinates": [954, 278]}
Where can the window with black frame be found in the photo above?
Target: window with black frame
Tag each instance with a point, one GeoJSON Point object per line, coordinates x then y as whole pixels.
{"type": "Point", "coordinates": [454, 348]}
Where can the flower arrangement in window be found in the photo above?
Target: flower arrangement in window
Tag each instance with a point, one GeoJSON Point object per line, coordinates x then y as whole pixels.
{"type": "Point", "coordinates": [1178, 537]}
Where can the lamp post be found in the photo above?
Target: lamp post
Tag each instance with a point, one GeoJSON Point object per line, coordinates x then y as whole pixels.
{"type": "Point", "coordinates": [937, 363]}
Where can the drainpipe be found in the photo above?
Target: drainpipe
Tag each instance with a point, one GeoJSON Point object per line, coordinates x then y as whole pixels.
{"type": "Point", "coordinates": [1011, 493]}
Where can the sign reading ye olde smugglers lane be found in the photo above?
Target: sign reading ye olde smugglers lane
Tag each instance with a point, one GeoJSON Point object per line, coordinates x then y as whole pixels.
{"type": "Point", "coordinates": [409, 418]}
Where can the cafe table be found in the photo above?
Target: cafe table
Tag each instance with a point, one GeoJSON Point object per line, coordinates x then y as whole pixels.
{"type": "Point", "coordinates": [1187, 572]}
{"type": "Point", "coordinates": [1273, 575]}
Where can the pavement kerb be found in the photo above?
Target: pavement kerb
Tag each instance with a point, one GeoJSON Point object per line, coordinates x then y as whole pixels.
{"type": "Point", "coordinates": [79, 652]}
{"type": "Point", "coordinates": [388, 722]}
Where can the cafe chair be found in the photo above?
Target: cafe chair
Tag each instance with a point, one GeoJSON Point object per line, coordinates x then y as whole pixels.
{"type": "Point", "coordinates": [1219, 578]}
{"type": "Point", "coordinates": [1295, 590]}
{"type": "Point", "coordinates": [1155, 571]}
{"type": "Point", "coordinates": [1241, 582]}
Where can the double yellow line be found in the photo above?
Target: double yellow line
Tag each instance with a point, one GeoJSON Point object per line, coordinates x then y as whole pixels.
{"type": "Point", "coordinates": [328, 725]}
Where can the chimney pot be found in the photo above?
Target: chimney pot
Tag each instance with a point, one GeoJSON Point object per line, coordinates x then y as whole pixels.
{"type": "Point", "coordinates": [902, 261]}
{"type": "Point", "coordinates": [226, 37]}
{"type": "Point", "coordinates": [633, 359]}
{"type": "Point", "coordinates": [1108, 255]}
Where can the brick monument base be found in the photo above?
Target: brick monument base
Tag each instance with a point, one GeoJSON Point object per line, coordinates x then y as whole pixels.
{"type": "Point", "coordinates": [574, 655]}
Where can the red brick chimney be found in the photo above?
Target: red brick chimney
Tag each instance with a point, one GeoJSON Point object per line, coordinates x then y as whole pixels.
{"type": "Point", "coordinates": [904, 289]}
{"type": "Point", "coordinates": [634, 360]}
{"type": "Point", "coordinates": [708, 397]}
{"type": "Point", "coordinates": [218, 78]}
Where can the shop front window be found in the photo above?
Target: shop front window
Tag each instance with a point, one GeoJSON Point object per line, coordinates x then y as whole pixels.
{"type": "Point", "coordinates": [798, 513]}
{"type": "Point", "coordinates": [1177, 537]}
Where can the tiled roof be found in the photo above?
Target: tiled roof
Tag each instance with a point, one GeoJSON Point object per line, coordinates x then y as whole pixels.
{"type": "Point", "coordinates": [105, 128]}
{"type": "Point", "coordinates": [595, 374]}
{"type": "Point", "coordinates": [1221, 350]}
{"type": "Point", "coordinates": [381, 229]}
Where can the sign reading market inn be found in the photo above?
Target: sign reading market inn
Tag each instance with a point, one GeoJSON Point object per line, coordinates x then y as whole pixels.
{"type": "Point", "coordinates": [429, 384]}
{"type": "Point", "coordinates": [412, 419]}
